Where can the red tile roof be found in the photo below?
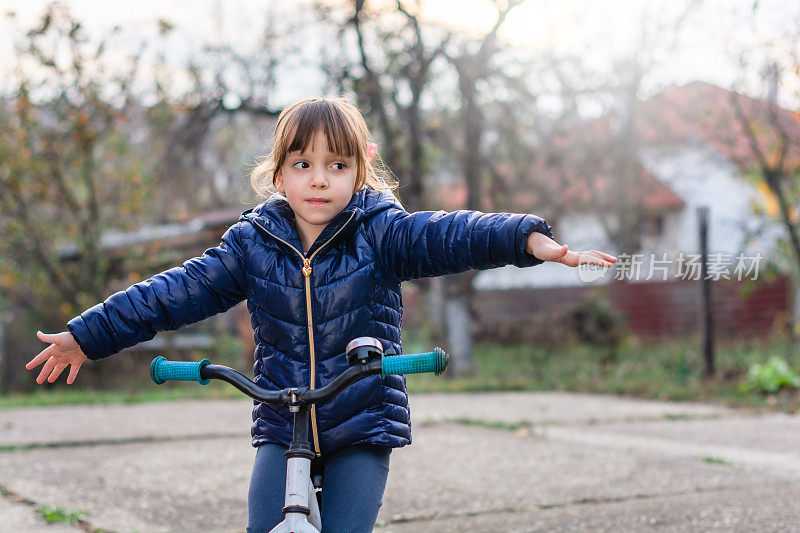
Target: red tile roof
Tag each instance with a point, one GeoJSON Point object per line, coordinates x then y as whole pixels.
{"type": "Point", "coordinates": [708, 113]}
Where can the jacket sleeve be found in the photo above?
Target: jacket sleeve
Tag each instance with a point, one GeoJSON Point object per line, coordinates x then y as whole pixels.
{"type": "Point", "coordinates": [200, 288]}
{"type": "Point", "coordinates": [434, 243]}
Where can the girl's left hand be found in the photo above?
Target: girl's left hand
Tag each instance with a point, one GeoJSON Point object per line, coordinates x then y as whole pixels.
{"type": "Point", "coordinates": [64, 351]}
{"type": "Point", "coordinates": [543, 247]}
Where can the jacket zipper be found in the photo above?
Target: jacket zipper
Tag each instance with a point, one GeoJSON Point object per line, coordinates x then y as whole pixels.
{"type": "Point", "coordinates": [313, 361]}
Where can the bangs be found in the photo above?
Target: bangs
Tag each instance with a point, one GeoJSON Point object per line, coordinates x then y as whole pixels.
{"type": "Point", "coordinates": [345, 133]}
{"type": "Point", "coordinates": [321, 116]}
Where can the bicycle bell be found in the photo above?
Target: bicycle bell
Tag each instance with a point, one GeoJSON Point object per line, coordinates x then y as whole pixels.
{"type": "Point", "coordinates": [364, 349]}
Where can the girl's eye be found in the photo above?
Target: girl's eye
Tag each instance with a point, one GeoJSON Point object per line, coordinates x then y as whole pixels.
{"type": "Point", "coordinates": [301, 163]}
{"type": "Point", "coordinates": [341, 166]}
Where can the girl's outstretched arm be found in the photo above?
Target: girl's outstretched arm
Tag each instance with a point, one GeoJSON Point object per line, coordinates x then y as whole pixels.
{"type": "Point", "coordinates": [435, 243]}
{"type": "Point", "coordinates": [428, 243]}
{"type": "Point", "coordinates": [63, 351]}
{"type": "Point", "coordinates": [543, 247]}
{"type": "Point", "coordinates": [202, 287]}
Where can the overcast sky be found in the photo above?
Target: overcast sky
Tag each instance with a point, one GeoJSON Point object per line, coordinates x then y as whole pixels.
{"type": "Point", "coordinates": [716, 32]}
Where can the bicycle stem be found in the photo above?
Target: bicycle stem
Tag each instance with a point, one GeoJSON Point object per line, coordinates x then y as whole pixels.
{"type": "Point", "coordinates": [300, 445]}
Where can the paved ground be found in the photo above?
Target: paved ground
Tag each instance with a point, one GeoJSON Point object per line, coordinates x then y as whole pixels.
{"type": "Point", "coordinates": [480, 462]}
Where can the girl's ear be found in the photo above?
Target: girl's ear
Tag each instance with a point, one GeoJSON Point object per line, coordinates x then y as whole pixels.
{"type": "Point", "coordinates": [279, 183]}
{"type": "Point", "coordinates": [372, 150]}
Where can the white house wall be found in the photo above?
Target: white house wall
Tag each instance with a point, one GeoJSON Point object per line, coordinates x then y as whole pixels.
{"type": "Point", "coordinates": [581, 231]}
{"type": "Point", "coordinates": [701, 177]}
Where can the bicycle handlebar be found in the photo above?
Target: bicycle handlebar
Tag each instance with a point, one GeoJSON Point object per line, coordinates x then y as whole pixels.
{"type": "Point", "coordinates": [162, 370]}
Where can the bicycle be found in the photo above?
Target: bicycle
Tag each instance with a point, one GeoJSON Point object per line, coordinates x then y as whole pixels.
{"type": "Point", "coordinates": [304, 485]}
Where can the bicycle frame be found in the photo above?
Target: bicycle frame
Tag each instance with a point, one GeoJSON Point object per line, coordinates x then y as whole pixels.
{"type": "Point", "coordinates": [297, 472]}
{"type": "Point", "coordinates": [301, 509]}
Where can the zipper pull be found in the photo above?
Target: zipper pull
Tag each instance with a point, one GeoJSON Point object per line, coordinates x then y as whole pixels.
{"type": "Point", "coordinates": [306, 267]}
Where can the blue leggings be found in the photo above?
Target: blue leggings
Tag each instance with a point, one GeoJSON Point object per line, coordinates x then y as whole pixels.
{"type": "Point", "coordinates": [352, 489]}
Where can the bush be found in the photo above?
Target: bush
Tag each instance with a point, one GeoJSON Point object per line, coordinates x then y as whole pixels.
{"type": "Point", "coordinates": [598, 323]}
{"type": "Point", "coordinates": [553, 329]}
{"type": "Point", "coordinates": [772, 376]}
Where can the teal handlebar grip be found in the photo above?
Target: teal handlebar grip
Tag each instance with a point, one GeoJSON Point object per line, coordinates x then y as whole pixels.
{"type": "Point", "coordinates": [162, 370]}
{"type": "Point", "coordinates": [415, 363]}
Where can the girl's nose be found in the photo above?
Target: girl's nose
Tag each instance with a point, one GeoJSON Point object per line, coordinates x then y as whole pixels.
{"type": "Point", "coordinates": [319, 179]}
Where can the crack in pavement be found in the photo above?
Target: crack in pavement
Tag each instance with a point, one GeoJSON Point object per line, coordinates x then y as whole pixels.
{"type": "Point", "coordinates": [399, 519]}
{"type": "Point", "coordinates": [110, 442]}
{"type": "Point", "coordinates": [585, 422]}
{"type": "Point", "coordinates": [596, 436]}
{"type": "Point", "coordinates": [507, 426]}
{"type": "Point", "coordinates": [779, 461]}
{"type": "Point", "coordinates": [516, 426]}
{"type": "Point", "coordinates": [15, 497]}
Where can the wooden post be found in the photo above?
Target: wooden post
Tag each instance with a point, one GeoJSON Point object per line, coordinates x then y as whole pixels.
{"type": "Point", "coordinates": [3, 359]}
{"type": "Point", "coordinates": [708, 317]}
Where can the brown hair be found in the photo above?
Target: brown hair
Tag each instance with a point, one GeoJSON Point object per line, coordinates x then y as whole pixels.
{"type": "Point", "coordinates": [345, 131]}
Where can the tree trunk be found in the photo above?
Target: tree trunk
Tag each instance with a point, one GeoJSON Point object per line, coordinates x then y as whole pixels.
{"type": "Point", "coordinates": [794, 302]}
{"type": "Point", "coordinates": [435, 298]}
{"type": "Point", "coordinates": [458, 322]}
{"type": "Point", "coordinates": [458, 304]}
{"type": "Point", "coordinates": [775, 180]}
{"type": "Point", "coordinates": [2, 345]}
{"type": "Point", "coordinates": [459, 335]}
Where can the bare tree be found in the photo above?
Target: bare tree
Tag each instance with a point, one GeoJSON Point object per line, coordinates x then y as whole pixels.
{"type": "Point", "coordinates": [83, 152]}
{"type": "Point", "coordinates": [474, 64]}
{"type": "Point", "coordinates": [69, 171]}
{"type": "Point", "coordinates": [773, 155]}
{"type": "Point", "coordinates": [389, 69]}
{"type": "Point", "coordinates": [199, 135]}
{"type": "Point", "coordinates": [392, 70]}
{"type": "Point", "coordinates": [617, 182]}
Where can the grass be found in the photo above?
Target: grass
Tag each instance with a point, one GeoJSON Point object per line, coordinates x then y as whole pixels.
{"type": "Point", "coordinates": [75, 395]}
{"type": "Point", "coordinates": [715, 461]}
{"type": "Point", "coordinates": [55, 515]}
{"type": "Point", "coordinates": [665, 370]}
{"type": "Point", "coordinates": [127, 380]}
{"type": "Point", "coordinates": [505, 426]}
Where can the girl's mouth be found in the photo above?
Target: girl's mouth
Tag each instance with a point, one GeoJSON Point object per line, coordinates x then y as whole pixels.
{"type": "Point", "coordinates": [317, 201]}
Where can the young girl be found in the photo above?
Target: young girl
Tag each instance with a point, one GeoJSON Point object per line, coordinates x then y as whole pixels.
{"type": "Point", "coordinates": [320, 262]}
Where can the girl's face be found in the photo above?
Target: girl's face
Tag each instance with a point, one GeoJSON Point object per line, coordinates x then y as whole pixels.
{"type": "Point", "coordinates": [318, 185]}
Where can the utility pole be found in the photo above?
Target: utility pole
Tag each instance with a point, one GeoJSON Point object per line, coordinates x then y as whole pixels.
{"type": "Point", "coordinates": [2, 344]}
{"type": "Point", "coordinates": [708, 317]}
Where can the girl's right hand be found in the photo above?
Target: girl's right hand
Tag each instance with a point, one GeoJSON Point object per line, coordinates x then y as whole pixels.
{"type": "Point", "coordinates": [63, 351]}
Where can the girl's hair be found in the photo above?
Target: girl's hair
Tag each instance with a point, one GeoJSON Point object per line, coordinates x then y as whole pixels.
{"type": "Point", "coordinates": [346, 133]}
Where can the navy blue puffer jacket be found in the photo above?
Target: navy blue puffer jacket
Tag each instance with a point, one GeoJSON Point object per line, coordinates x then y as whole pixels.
{"type": "Point", "coordinates": [306, 308]}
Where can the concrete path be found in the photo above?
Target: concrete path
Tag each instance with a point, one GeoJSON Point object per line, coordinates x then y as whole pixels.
{"type": "Point", "coordinates": [480, 462]}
